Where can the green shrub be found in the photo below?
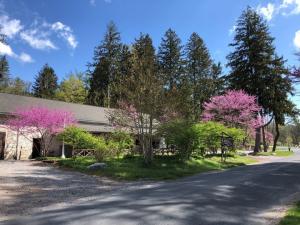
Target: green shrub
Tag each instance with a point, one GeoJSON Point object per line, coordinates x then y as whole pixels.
{"type": "Point", "coordinates": [209, 136]}
{"type": "Point", "coordinates": [180, 134]}
{"type": "Point", "coordinates": [199, 138]}
{"type": "Point", "coordinates": [121, 141]}
{"type": "Point", "coordinates": [81, 139]}
{"type": "Point", "coordinates": [78, 138]}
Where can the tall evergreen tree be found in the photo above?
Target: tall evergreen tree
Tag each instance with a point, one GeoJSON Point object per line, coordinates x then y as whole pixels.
{"type": "Point", "coordinates": [104, 68]}
{"type": "Point", "coordinates": [255, 67]}
{"type": "Point", "coordinates": [4, 67]}
{"type": "Point", "coordinates": [171, 69]}
{"type": "Point", "coordinates": [124, 70]}
{"type": "Point", "coordinates": [45, 84]}
{"type": "Point", "coordinates": [170, 58]}
{"type": "Point", "coordinates": [198, 73]}
{"type": "Point", "coordinates": [217, 81]}
{"type": "Point", "coordinates": [4, 72]}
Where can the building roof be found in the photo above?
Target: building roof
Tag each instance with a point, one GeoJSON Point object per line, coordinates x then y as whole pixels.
{"type": "Point", "coordinates": [92, 118]}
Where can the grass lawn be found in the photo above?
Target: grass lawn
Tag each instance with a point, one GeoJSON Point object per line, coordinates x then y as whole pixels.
{"type": "Point", "coordinates": [162, 168]}
{"type": "Point", "coordinates": [280, 153]}
{"type": "Point", "coordinates": [292, 217]}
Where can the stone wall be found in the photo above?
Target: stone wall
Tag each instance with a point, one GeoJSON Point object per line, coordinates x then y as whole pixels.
{"type": "Point", "coordinates": [22, 146]}
{"type": "Point", "coordinates": [16, 144]}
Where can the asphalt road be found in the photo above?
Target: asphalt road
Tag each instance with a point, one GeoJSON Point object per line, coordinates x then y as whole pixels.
{"type": "Point", "coordinates": [242, 196]}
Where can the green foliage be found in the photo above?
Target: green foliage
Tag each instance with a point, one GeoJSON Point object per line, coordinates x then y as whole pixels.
{"type": "Point", "coordinates": [45, 84]}
{"type": "Point", "coordinates": [258, 70]}
{"type": "Point", "coordinates": [172, 70]}
{"type": "Point", "coordinates": [180, 134]}
{"type": "Point", "coordinates": [72, 89]}
{"type": "Point", "coordinates": [17, 86]}
{"type": "Point", "coordinates": [105, 68]}
{"type": "Point", "coordinates": [170, 58]}
{"type": "Point", "coordinates": [209, 136]}
{"type": "Point", "coordinates": [81, 139]}
{"type": "Point", "coordinates": [201, 74]}
{"type": "Point", "coordinates": [4, 72]}
{"type": "Point", "coordinates": [292, 216]}
{"type": "Point", "coordinates": [121, 141]}
{"type": "Point", "coordinates": [142, 89]}
{"type": "Point", "coordinates": [198, 138]}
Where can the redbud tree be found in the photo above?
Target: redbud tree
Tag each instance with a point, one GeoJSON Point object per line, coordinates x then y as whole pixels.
{"type": "Point", "coordinates": [41, 122]}
{"type": "Point", "coordinates": [234, 109]}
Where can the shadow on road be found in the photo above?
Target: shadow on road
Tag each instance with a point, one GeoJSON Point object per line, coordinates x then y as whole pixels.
{"type": "Point", "coordinates": [235, 196]}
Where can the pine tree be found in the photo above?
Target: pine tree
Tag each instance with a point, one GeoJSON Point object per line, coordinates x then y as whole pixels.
{"type": "Point", "coordinates": [4, 67]}
{"type": "Point", "coordinates": [217, 81]}
{"type": "Point", "coordinates": [45, 84]}
{"type": "Point", "coordinates": [198, 73]}
{"type": "Point", "coordinates": [255, 67]}
{"type": "Point", "coordinates": [4, 72]}
{"type": "Point", "coordinates": [124, 70]}
{"type": "Point", "coordinates": [171, 71]}
{"type": "Point", "coordinates": [104, 69]}
{"type": "Point", "coordinates": [170, 58]}
{"type": "Point", "coordinates": [280, 88]}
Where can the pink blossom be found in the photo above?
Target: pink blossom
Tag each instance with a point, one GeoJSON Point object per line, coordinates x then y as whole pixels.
{"type": "Point", "coordinates": [37, 119]}
{"type": "Point", "coordinates": [234, 108]}
{"type": "Point", "coordinates": [42, 121]}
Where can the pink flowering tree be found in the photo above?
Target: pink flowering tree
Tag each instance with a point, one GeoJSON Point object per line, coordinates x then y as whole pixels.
{"type": "Point", "coordinates": [234, 109]}
{"type": "Point", "coordinates": [42, 122]}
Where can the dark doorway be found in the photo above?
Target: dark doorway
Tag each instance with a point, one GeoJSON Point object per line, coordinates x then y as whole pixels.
{"type": "Point", "coordinates": [2, 145]}
{"type": "Point", "coordinates": [36, 148]}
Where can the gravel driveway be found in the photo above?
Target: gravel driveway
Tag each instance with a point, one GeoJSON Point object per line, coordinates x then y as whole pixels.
{"type": "Point", "coordinates": [28, 186]}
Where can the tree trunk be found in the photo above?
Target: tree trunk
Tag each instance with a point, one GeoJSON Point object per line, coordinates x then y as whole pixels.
{"type": "Point", "coordinates": [257, 141]}
{"type": "Point", "coordinates": [17, 145]}
{"type": "Point", "coordinates": [264, 139]}
{"type": "Point", "coordinates": [147, 150]}
{"type": "Point", "coordinates": [276, 136]}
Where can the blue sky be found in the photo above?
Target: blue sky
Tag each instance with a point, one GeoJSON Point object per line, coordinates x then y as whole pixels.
{"type": "Point", "coordinates": [63, 33]}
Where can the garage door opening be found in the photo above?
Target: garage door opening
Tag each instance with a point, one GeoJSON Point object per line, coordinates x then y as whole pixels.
{"type": "Point", "coordinates": [2, 145]}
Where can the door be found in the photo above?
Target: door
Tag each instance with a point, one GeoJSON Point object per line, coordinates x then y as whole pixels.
{"type": "Point", "coordinates": [2, 145]}
{"type": "Point", "coordinates": [36, 148]}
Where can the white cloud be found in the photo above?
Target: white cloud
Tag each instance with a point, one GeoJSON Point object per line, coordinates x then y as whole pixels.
{"type": "Point", "coordinates": [267, 11]}
{"type": "Point", "coordinates": [36, 39]}
{"type": "Point", "coordinates": [10, 27]}
{"type": "Point", "coordinates": [297, 40]}
{"type": "Point", "coordinates": [290, 7]}
{"type": "Point", "coordinates": [93, 2]}
{"type": "Point", "coordinates": [285, 8]}
{"type": "Point", "coordinates": [6, 50]}
{"type": "Point", "coordinates": [39, 34]}
{"type": "Point", "coordinates": [65, 32]}
{"type": "Point", "coordinates": [232, 30]}
{"type": "Point", "coordinates": [24, 57]}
